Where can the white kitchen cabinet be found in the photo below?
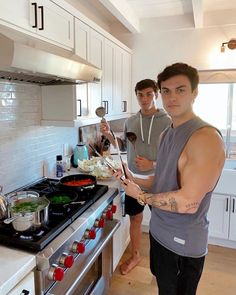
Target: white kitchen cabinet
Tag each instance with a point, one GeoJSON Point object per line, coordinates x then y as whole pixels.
{"type": "Point", "coordinates": [16, 13]}
{"type": "Point", "coordinates": [95, 57]}
{"type": "Point", "coordinates": [232, 230]}
{"type": "Point", "coordinates": [42, 18]}
{"type": "Point", "coordinates": [126, 82]}
{"type": "Point", "coordinates": [76, 105]}
{"type": "Point", "coordinates": [116, 79]}
{"type": "Point", "coordinates": [121, 237]}
{"type": "Point", "coordinates": [222, 217]}
{"type": "Point", "coordinates": [25, 286]}
{"type": "Point", "coordinates": [108, 77]}
{"type": "Point", "coordinates": [89, 45]}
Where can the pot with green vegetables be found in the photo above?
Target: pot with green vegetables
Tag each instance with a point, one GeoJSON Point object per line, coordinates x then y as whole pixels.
{"type": "Point", "coordinates": [27, 210]}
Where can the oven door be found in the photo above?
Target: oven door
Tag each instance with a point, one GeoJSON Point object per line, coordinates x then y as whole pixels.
{"type": "Point", "coordinates": [92, 270]}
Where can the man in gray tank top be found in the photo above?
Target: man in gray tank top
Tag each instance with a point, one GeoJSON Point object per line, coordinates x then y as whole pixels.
{"type": "Point", "coordinates": [189, 163]}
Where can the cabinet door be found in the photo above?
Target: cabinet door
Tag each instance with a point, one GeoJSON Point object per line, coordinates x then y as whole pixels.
{"type": "Point", "coordinates": [126, 82]}
{"type": "Point", "coordinates": [25, 286]}
{"type": "Point", "coordinates": [55, 23]}
{"type": "Point", "coordinates": [218, 216]}
{"type": "Point", "coordinates": [81, 39]}
{"type": "Point", "coordinates": [108, 76]}
{"type": "Point", "coordinates": [17, 13]}
{"type": "Point", "coordinates": [96, 47]}
{"type": "Point", "coordinates": [121, 237]}
{"type": "Point", "coordinates": [232, 232]}
{"type": "Point", "coordinates": [82, 33]}
{"type": "Point", "coordinates": [118, 89]}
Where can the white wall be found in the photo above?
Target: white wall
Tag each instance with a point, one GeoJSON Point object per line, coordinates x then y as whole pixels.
{"type": "Point", "coordinates": [24, 144]}
{"type": "Point", "coordinates": [172, 39]}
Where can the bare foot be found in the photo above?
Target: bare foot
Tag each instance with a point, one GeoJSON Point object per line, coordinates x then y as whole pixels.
{"type": "Point", "coordinates": [129, 264]}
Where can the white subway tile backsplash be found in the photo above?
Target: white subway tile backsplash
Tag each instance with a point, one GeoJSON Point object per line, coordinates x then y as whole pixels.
{"type": "Point", "coordinates": [24, 144]}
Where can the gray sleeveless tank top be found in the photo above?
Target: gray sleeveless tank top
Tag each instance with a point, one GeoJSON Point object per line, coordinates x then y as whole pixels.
{"type": "Point", "coordinates": [184, 234]}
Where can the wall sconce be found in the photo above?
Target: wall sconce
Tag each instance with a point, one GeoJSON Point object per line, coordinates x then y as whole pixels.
{"type": "Point", "coordinates": [231, 45]}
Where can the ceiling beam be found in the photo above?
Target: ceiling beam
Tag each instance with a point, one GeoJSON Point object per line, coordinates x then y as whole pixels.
{"type": "Point", "coordinates": [124, 13]}
{"type": "Point", "coordinates": [198, 13]}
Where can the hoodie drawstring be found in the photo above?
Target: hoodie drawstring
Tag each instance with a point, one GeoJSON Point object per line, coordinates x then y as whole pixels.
{"type": "Point", "coordinates": [150, 128]}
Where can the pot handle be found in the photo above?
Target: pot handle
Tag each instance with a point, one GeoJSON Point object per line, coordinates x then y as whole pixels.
{"type": "Point", "coordinates": [11, 219]}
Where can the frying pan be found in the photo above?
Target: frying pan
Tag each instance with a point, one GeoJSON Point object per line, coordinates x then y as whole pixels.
{"type": "Point", "coordinates": [61, 198]}
{"type": "Point", "coordinates": [78, 181]}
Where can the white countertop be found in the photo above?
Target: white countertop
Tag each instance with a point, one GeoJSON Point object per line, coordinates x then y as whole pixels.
{"type": "Point", "coordinates": [15, 265]}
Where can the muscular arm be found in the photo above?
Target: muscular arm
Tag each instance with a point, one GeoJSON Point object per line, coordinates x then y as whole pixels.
{"type": "Point", "coordinates": [199, 166]}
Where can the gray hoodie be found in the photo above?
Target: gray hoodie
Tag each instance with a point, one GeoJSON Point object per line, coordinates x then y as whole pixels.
{"type": "Point", "coordinates": [147, 129]}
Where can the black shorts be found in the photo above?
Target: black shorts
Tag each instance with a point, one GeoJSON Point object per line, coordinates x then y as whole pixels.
{"type": "Point", "coordinates": [132, 207]}
{"type": "Point", "coordinates": [175, 274]}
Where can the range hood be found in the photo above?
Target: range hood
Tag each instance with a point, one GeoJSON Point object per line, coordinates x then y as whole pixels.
{"type": "Point", "coordinates": [20, 62]}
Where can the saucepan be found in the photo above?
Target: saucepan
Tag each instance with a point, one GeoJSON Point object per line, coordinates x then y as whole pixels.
{"type": "Point", "coordinates": [78, 182]}
{"type": "Point", "coordinates": [28, 211]}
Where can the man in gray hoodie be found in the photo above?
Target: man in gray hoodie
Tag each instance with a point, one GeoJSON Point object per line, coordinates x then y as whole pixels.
{"type": "Point", "coordinates": [147, 124]}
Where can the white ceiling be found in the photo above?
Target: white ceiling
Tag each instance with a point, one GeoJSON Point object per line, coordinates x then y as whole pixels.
{"type": "Point", "coordinates": [157, 8]}
{"type": "Point", "coordinates": [131, 12]}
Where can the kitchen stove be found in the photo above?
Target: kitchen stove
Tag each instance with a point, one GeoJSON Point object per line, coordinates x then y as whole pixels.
{"type": "Point", "coordinates": [74, 250]}
{"type": "Point", "coordinates": [38, 239]}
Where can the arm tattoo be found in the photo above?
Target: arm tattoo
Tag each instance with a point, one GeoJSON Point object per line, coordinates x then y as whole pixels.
{"type": "Point", "coordinates": [165, 201]}
{"type": "Point", "coordinates": [168, 202]}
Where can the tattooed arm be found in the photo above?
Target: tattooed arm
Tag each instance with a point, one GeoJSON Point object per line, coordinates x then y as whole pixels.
{"type": "Point", "coordinates": [199, 167]}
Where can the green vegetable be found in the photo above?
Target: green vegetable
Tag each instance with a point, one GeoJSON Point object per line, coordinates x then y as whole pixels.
{"type": "Point", "coordinates": [60, 199]}
{"type": "Point", "coordinates": [29, 206]}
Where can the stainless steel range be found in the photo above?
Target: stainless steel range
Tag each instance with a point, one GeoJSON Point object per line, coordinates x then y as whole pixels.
{"type": "Point", "coordinates": [74, 250]}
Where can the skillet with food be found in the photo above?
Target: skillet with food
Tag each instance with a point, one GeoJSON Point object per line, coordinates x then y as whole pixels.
{"type": "Point", "coordinates": [78, 182]}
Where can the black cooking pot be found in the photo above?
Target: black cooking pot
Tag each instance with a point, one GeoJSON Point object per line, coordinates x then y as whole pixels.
{"type": "Point", "coordinates": [78, 182]}
{"type": "Point", "coordinates": [61, 198]}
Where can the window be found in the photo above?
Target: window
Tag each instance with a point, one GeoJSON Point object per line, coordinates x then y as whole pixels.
{"type": "Point", "coordinates": [216, 104]}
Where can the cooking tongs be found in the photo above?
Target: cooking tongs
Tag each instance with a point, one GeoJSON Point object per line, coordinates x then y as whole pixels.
{"type": "Point", "coordinates": [104, 159]}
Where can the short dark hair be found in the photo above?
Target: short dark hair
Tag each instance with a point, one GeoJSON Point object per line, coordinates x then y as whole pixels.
{"type": "Point", "coordinates": [146, 83]}
{"type": "Point", "coordinates": [179, 69]}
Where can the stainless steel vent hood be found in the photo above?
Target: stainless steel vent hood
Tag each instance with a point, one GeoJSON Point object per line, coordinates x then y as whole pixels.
{"type": "Point", "coordinates": [20, 62]}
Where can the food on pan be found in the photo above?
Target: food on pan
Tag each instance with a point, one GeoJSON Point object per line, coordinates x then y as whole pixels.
{"type": "Point", "coordinates": [60, 199]}
{"type": "Point", "coordinates": [79, 182]}
{"type": "Point", "coordinates": [28, 206]}
{"type": "Point", "coordinates": [96, 167]}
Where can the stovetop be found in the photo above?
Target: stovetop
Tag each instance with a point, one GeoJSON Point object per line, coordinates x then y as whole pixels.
{"type": "Point", "coordinates": [58, 219]}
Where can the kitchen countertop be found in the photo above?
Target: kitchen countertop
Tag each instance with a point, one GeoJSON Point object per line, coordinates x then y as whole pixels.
{"type": "Point", "coordinates": [16, 264]}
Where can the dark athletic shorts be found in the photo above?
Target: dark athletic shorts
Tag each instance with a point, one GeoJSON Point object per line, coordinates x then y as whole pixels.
{"type": "Point", "coordinates": [132, 207]}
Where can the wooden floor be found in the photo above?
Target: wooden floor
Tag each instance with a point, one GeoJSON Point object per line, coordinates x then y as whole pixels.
{"type": "Point", "coordinates": [218, 278]}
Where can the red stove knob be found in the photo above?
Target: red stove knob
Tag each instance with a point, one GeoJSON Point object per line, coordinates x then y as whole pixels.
{"type": "Point", "coordinates": [100, 223]}
{"type": "Point", "coordinates": [78, 247]}
{"type": "Point", "coordinates": [55, 273]}
{"type": "Point", "coordinates": [109, 215]}
{"type": "Point", "coordinates": [113, 208]}
{"type": "Point", "coordinates": [66, 260]}
{"type": "Point", "coordinates": [90, 234]}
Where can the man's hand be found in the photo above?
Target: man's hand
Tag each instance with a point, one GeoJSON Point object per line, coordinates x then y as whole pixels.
{"type": "Point", "coordinates": [105, 128]}
{"type": "Point", "coordinates": [143, 164]}
{"type": "Point", "coordinates": [131, 188]}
